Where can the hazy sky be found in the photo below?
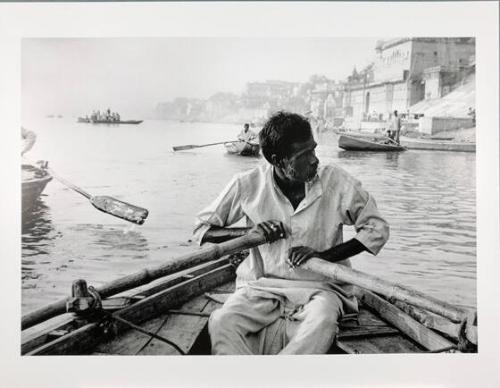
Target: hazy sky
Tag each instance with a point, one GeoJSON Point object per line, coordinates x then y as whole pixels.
{"type": "Point", "coordinates": [131, 75]}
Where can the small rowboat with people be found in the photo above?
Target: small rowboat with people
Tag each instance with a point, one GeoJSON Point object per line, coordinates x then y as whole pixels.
{"type": "Point", "coordinates": [90, 121]}
{"type": "Point", "coordinates": [350, 143]}
{"type": "Point", "coordinates": [243, 148]}
{"type": "Point", "coordinates": [33, 182]}
{"type": "Point", "coordinates": [164, 310]}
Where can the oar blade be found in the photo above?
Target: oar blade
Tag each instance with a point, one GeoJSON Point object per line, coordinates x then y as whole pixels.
{"type": "Point", "coordinates": [184, 147]}
{"type": "Point", "coordinates": [120, 209]}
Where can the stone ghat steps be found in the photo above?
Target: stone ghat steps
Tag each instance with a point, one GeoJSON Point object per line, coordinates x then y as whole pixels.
{"type": "Point", "coordinates": [455, 104]}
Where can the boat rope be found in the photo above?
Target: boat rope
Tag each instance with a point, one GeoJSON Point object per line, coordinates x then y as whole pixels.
{"type": "Point", "coordinates": [164, 322]}
{"type": "Point", "coordinates": [151, 334]}
{"type": "Point", "coordinates": [97, 306]}
{"type": "Point", "coordinates": [97, 301]}
{"type": "Point", "coordinates": [210, 297]}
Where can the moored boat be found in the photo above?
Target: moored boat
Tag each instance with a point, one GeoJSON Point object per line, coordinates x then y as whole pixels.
{"type": "Point", "coordinates": [243, 148]}
{"type": "Point", "coordinates": [34, 180]}
{"type": "Point", "coordinates": [350, 143]}
{"type": "Point", "coordinates": [438, 145]}
{"type": "Point", "coordinates": [169, 316]}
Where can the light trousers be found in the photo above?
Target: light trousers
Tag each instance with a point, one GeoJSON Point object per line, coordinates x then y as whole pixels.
{"type": "Point", "coordinates": [255, 321]}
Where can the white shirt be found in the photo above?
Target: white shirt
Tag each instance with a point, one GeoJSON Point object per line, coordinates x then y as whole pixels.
{"type": "Point", "coordinates": [332, 199]}
{"type": "Point", "coordinates": [246, 136]}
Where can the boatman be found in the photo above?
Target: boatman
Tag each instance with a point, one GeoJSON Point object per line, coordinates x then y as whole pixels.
{"type": "Point", "coordinates": [396, 126]}
{"type": "Point", "coordinates": [247, 134]}
{"type": "Point", "coordinates": [279, 307]}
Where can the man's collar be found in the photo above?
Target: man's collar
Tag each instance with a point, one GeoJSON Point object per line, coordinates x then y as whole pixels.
{"type": "Point", "coordinates": [313, 188]}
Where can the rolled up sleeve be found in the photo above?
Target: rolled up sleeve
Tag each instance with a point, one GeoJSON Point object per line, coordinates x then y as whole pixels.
{"type": "Point", "coordinates": [225, 210]}
{"type": "Point", "coordinates": [372, 229]}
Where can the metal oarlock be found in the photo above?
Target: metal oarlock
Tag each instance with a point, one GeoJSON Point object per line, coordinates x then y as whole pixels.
{"type": "Point", "coordinates": [83, 300]}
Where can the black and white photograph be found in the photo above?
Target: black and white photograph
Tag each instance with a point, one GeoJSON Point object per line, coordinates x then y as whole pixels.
{"type": "Point", "coordinates": [315, 195]}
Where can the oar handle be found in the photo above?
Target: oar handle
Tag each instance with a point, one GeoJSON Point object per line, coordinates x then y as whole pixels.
{"type": "Point", "coordinates": [191, 146]}
{"type": "Point", "coordinates": [57, 177]}
{"type": "Point", "coordinates": [69, 184]}
{"type": "Point", "coordinates": [145, 276]}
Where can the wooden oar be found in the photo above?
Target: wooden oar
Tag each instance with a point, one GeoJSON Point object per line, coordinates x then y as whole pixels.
{"type": "Point", "coordinates": [107, 204]}
{"type": "Point", "coordinates": [342, 273]}
{"type": "Point", "coordinates": [145, 276]}
{"type": "Point", "coordinates": [191, 146]}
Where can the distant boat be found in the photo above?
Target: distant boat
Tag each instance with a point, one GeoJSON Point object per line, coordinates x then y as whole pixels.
{"type": "Point", "coordinates": [360, 144]}
{"type": "Point", "coordinates": [116, 122]}
{"type": "Point", "coordinates": [34, 180]}
{"type": "Point", "coordinates": [243, 148]}
{"type": "Point", "coordinates": [90, 121]}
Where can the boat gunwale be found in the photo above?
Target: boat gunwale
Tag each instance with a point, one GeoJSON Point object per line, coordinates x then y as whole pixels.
{"type": "Point", "coordinates": [35, 341]}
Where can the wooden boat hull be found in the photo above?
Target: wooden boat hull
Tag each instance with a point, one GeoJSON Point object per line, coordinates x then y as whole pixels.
{"type": "Point", "coordinates": [438, 145]}
{"type": "Point", "coordinates": [242, 148]}
{"type": "Point", "coordinates": [33, 183]}
{"type": "Point", "coordinates": [350, 143]}
{"type": "Point", "coordinates": [178, 308]}
{"type": "Point", "coordinates": [429, 144]}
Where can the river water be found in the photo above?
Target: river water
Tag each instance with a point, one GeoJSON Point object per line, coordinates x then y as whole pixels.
{"type": "Point", "coordinates": [428, 198]}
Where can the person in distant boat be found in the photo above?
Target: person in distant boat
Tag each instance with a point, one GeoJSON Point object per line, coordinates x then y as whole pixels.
{"type": "Point", "coordinates": [247, 134]}
{"type": "Point", "coordinates": [390, 135]}
{"type": "Point", "coordinates": [300, 208]}
{"type": "Point", "coordinates": [29, 139]}
{"type": "Point", "coordinates": [472, 113]}
{"type": "Point", "coordinates": [396, 126]}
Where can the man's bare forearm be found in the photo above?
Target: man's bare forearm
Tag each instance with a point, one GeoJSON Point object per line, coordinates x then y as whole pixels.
{"type": "Point", "coordinates": [217, 234]}
{"type": "Point", "coordinates": [343, 251]}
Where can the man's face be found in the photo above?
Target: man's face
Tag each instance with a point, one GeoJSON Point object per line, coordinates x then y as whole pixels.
{"type": "Point", "coordinates": [301, 165]}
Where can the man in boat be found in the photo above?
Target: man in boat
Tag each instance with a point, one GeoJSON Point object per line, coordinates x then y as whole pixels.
{"type": "Point", "coordinates": [29, 138]}
{"type": "Point", "coordinates": [396, 126]}
{"type": "Point", "coordinates": [246, 134]}
{"type": "Point", "coordinates": [279, 307]}
{"type": "Point", "coordinates": [472, 113]}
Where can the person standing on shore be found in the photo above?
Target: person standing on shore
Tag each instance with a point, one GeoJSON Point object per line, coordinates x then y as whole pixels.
{"type": "Point", "coordinates": [300, 208]}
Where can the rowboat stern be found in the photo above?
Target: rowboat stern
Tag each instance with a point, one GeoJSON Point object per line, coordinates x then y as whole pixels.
{"type": "Point", "coordinates": [33, 183]}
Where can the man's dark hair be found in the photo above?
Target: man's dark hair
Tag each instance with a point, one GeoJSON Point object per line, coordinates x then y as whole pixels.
{"type": "Point", "coordinates": [395, 113]}
{"type": "Point", "coordinates": [280, 131]}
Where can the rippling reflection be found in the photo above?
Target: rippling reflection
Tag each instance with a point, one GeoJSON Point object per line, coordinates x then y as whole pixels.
{"type": "Point", "coordinates": [38, 232]}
